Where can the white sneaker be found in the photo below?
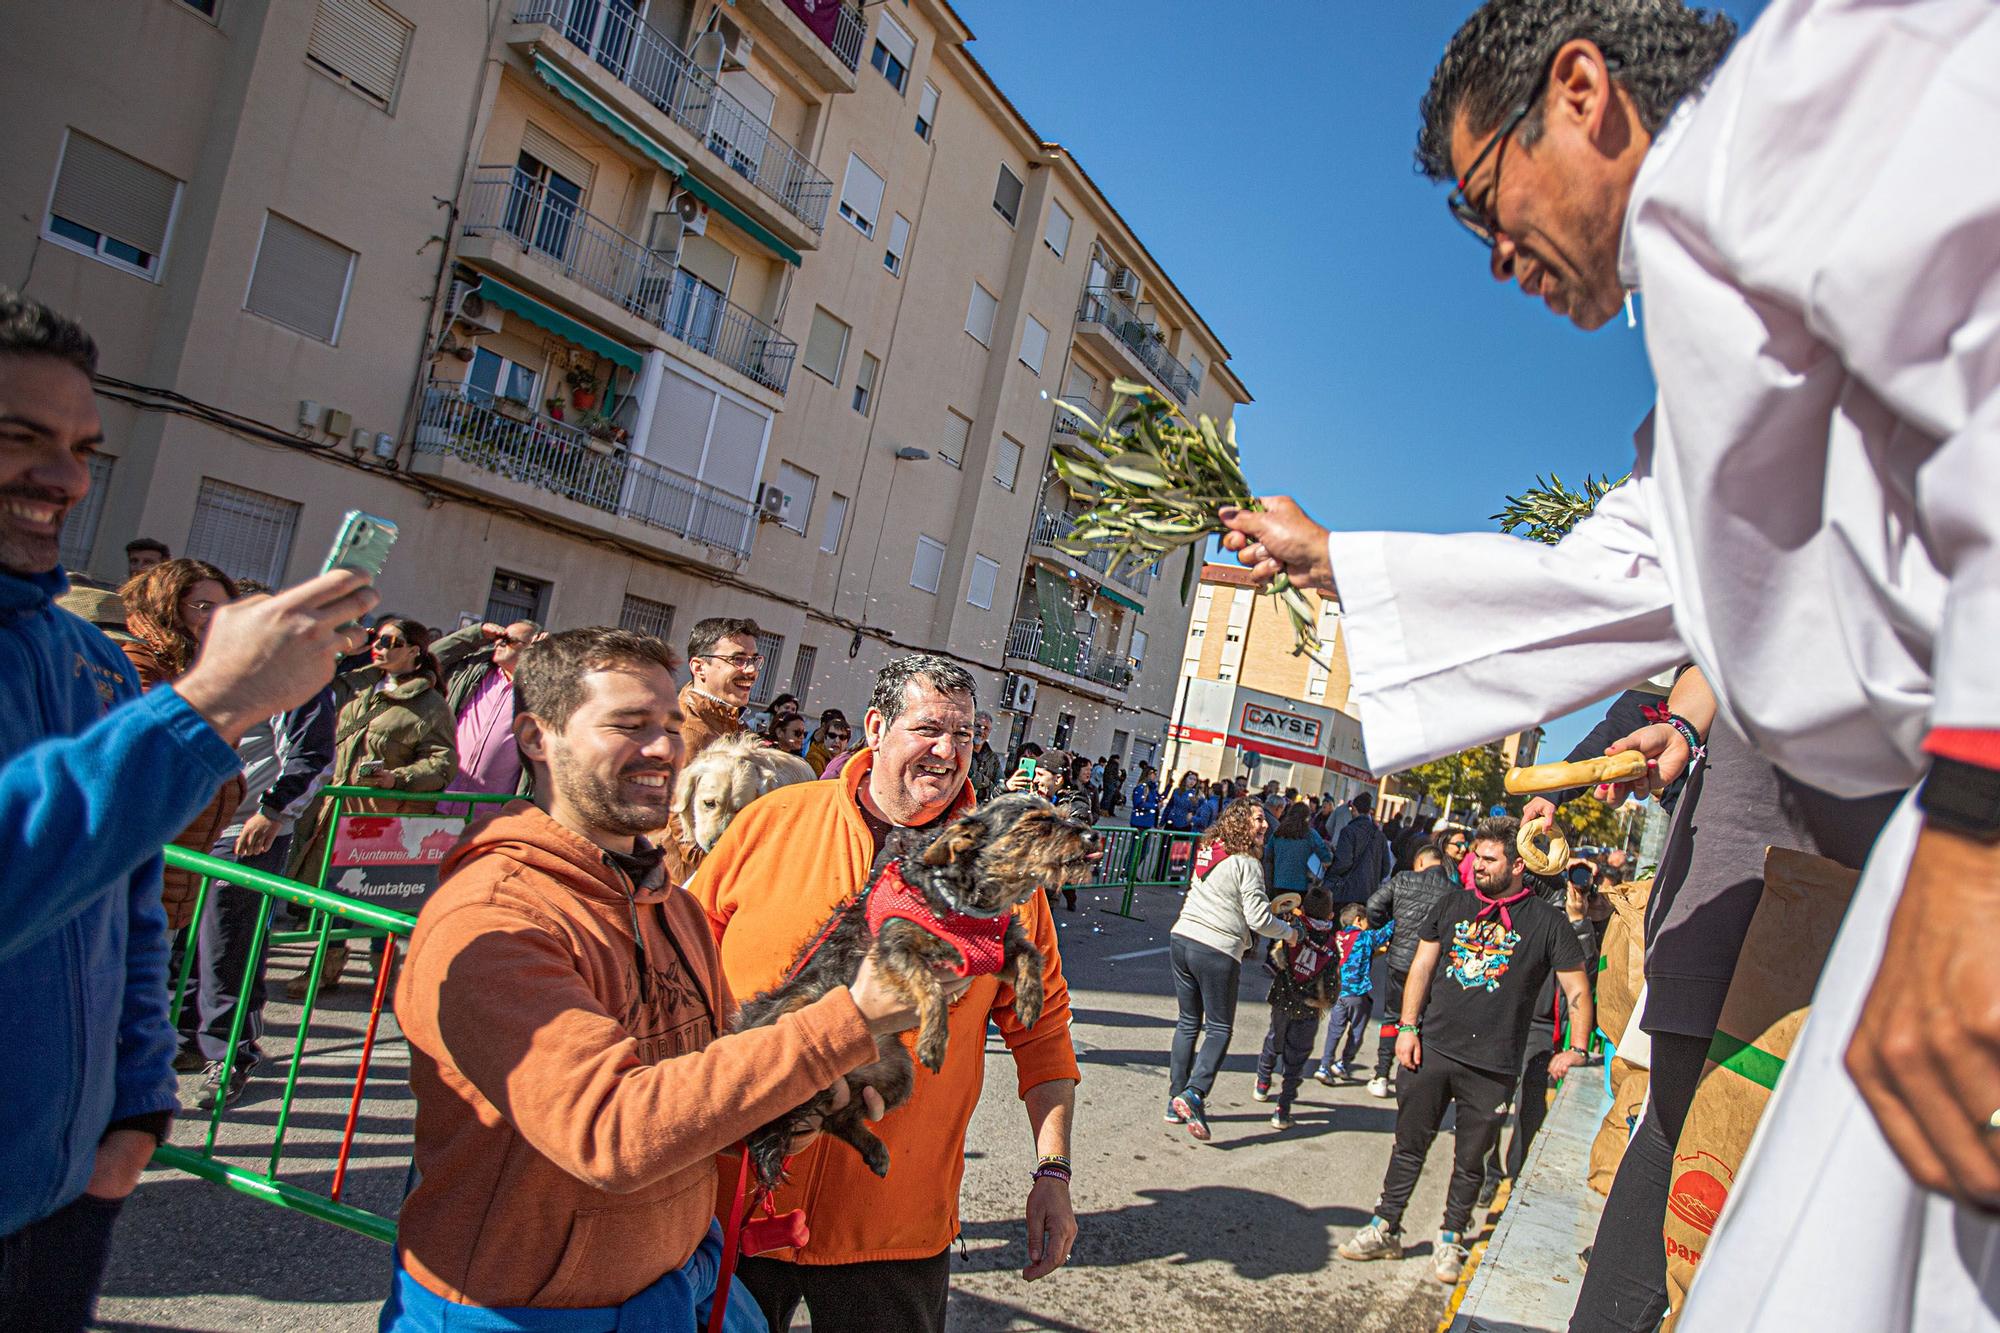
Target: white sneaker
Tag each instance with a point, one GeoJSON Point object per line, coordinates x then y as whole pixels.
{"type": "Point", "coordinates": [1374, 1241]}
{"type": "Point", "coordinates": [1448, 1261]}
{"type": "Point", "coordinates": [1261, 1092]}
{"type": "Point", "coordinates": [1282, 1120]}
{"type": "Point", "coordinates": [1378, 1087]}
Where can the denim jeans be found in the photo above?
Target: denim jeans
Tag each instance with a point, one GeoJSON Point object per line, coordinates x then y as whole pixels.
{"type": "Point", "coordinates": [1205, 987]}
{"type": "Point", "coordinates": [50, 1270]}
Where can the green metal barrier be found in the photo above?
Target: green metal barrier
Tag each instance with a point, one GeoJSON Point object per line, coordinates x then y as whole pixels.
{"type": "Point", "coordinates": [1137, 859]}
{"type": "Point", "coordinates": [335, 916]}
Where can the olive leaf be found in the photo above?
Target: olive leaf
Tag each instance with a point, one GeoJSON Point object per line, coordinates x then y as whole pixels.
{"type": "Point", "coordinates": [1154, 482]}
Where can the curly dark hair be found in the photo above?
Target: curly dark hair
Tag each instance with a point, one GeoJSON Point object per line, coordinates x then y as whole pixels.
{"type": "Point", "coordinates": [1660, 50]}
{"type": "Point", "coordinates": [29, 328]}
{"type": "Point", "coordinates": [153, 613]}
{"type": "Point", "coordinates": [1236, 827]}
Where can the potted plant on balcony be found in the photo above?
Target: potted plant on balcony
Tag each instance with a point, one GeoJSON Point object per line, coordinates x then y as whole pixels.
{"type": "Point", "coordinates": [582, 381]}
{"type": "Point", "coordinates": [554, 409]}
{"type": "Point", "coordinates": [512, 408]}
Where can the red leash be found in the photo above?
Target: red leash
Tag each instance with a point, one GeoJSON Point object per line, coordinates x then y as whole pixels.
{"type": "Point", "coordinates": [746, 1235]}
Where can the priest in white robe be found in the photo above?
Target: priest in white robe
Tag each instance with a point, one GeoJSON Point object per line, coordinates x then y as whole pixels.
{"type": "Point", "coordinates": [1813, 517]}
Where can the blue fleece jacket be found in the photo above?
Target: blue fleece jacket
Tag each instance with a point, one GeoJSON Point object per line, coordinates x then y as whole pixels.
{"type": "Point", "coordinates": [94, 780]}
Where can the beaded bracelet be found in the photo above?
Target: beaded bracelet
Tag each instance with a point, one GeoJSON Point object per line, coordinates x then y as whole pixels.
{"type": "Point", "coordinates": [1409, 1027]}
{"type": "Point", "coordinates": [1688, 733]}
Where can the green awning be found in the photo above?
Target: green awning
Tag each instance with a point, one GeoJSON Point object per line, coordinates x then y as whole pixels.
{"type": "Point", "coordinates": [1104, 591]}
{"type": "Point", "coordinates": [554, 321]}
{"type": "Point", "coordinates": [588, 103]}
{"type": "Point", "coordinates": [754, 229]}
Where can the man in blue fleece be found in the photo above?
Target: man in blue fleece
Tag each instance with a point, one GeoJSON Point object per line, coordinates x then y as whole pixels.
{"type": "Point", "coordinates": [94, 779]}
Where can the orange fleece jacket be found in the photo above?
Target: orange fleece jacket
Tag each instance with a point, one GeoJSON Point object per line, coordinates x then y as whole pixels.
{"type": "Point", "coordinates": [788, 860]}
{"type": "Point", "coordinates": [568, 1114]}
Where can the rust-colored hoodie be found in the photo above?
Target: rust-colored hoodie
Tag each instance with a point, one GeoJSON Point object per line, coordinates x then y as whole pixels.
{"type": "Point", "coordinates": [571, 1089]}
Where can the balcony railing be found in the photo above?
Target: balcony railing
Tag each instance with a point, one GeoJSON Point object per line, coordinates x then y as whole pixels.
{"type": "Point", "coordinates": [1026, 640]}
{"type": "Point", "coordinates": [506, 201]}
{"type": "Point", "coordinates": [639, 55]}
{"type": "Point", "coordinates": [848, 30]}
{"type": "Point", "coordinates": [1051, 527]}
{"type": "Point", "coordinates": [1103, 306]}
{"type": "Point", "coordinates": [560, 458]}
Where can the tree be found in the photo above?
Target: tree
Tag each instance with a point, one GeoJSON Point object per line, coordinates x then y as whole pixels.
{"type": "Point", "coordinates": [1472, 781]}
{"type": "Point", "coordinates": [1546, 511]}
{"type": "Point", "coordinates": [1589, 822]}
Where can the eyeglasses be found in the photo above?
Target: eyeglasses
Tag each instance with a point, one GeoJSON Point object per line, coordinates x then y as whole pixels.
{"type": "Point", "coordinates": [199, 607]}
{"type": "Point", "coordinates": [382, 641]}
{"type": "Point", "coordinates": [741, 661]}
{"type": "Point", "coordinates": [1482, 224]}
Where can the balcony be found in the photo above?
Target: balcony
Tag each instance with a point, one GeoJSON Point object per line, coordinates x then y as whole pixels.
{"type": "Point", "coordinates": [512, 207]}
{"type": "Point", "coordinates": [823, 37]}
{"type": "Point", "coordinates": [1103, 309]}
{"type": "Point", "coordinates": [511, 442]}
{"type": "Point", "coordinates": [1051, 527]}
{"type": "Point", "coordinates": [640, 57]}
{"type": "Point", "coordinates": [1026, 640]}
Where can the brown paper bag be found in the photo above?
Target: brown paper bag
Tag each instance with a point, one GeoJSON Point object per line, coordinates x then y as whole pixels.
{"type": "Point", "coordinates": [1621, 964]}
{"type": "Point", "coordinates": [1628, 1097]}
{"type": "Point", "coordinates": [1804, 899]}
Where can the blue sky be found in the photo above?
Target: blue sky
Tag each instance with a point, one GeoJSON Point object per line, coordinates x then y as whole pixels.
{"type": "Point", "coordinates": [1262, 151]}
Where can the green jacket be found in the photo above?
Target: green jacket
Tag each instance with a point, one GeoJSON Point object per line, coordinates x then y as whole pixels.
{"type": "Point", "coordinates": [407, 727]}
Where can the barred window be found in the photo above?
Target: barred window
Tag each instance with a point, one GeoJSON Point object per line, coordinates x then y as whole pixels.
{"type": "Point", "coordinates": [772, 646]}
{"type": "Point", "coordinates": [647, 616]}
{"type": "Point", "coordinates": [246, 534]}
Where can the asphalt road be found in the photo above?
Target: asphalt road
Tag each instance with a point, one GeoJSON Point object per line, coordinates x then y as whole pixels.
{"type": "Point", "coordinates": [1238, 1233]}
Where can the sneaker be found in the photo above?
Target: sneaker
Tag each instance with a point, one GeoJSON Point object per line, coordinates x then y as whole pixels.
{"type": "Point", "coordinates": [1188, 1106]}
{"type": "Point", "coordinates": [1174, 1117]}
{"type": "Point", "coordinates": [189, 1060]}
{"type": "Point", "coordinates": [1323, 1075]}
{"type": "Point", "coordinates": [1374, 1241]}
{"type": "Point", "coordinates": [1448, 1262]}
{"type": "Point", "coordinates": [1378, 1086]}
{"type": "Point", "coordinates": [1262, 1092]}
{"type": "Point", "coordinates": [1282, 1120]}
{"type": "Point", "coordinates": [1487, 1189]}
{"type": "Point", "coordinates": [1340, 1071]}
{"type": "Point", "coordinates": [212, 1084]}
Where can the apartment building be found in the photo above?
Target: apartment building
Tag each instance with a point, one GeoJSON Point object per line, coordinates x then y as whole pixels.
{"type": "Point", "coordinates": [624, 315]}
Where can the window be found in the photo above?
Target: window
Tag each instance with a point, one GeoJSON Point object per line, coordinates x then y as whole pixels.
{"type": "Point", "coordinates": [928, 566]}
{"type": "Point", "coordinates": [766, 688]}
{"type": "Point", "coordinates": [1007, 195]}
{"type": "Point", "coordinates": [362, 44]}
{"type": "Point", "coordinates": [979, 313]}
{"type": "Point", "coordinates": [802, 671]}
{"type": "Point", "coordinates": [1007, 462]}
{"type": "Point", "coordinates": [516, 597]}
{"type": "Point", "coordinates": [300, 279]}
{"type": "Point", "coordinates": [927, 111]}
{"type": "Point", "coordinates": [647, 616]}
{"type": "Point", "coordinates": [864, 383]}
{"type": "Point", "coordinates": [1194, 373]}
{"type": "Point", "coordinates": [798, 486]}
{"type": "Point", "coordinates": [899, 242]}
{"type": "Point", "coordinates": [826, 347]}
{"type": "Point", "coordinates": [985, 578]}
{"type": "Point", "coordinates": [543, 200]}
{"type": "Point", "coordinates": [111, 206]}
{"type": "Point", "coordinates": [831, 524]}
{"type": "Point", "coordinates": [203, 7]}
{"type": "Point", "coordinates": [1056, 234]}
{"type": "Point", "coordinates": [494, 376]}
{"type": "Point", "coordinates": [79, 530]}
{"type": "Point", "coordinates": [1138, 652]}
{"type": "Point", "coordinates": [895, 51]}
{"type": "Point", "coordinates": [1034, 344]}
{"type": "Point", "coordinates": [861, 195]}
{"type": "Point", "coordinates": [951, 446]}
{"type": "Point", "coordinates": [247, 533]}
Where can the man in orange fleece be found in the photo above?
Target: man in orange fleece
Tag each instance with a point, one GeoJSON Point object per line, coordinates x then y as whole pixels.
{"type": "Point", "coordinates": [879, 1257]}
{"type": "Point", "coordinates": [562, 1002]}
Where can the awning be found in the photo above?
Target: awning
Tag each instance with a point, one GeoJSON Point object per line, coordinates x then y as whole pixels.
{"type": "Point", "coordinates": [593, 107]}
{"type": "Point", "coordinates": [587, 102]}
{"type": "Point", "coordinates": [1104, 591]}
{"type": "Point", "coordinates": [751, 227]}
{"type": "Point", "coordinates": [554, 321]}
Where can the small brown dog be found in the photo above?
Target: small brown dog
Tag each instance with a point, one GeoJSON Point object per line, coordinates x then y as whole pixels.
{"type": "Point", "coordinates": [949, 906]}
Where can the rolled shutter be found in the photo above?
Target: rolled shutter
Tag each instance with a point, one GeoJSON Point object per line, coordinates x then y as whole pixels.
{"type": "Point", "coordinates": [364, 43]}
{"type": "Point", "coordinates": [114, 194]}
{"type": "Point", "coordinates": [301, 278]}
{"type": "Point", "coordinates": [556, 155]}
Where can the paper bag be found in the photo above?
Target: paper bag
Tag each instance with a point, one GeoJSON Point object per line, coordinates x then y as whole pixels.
{"type": "Point", "coordinates": [1798, 916]}
{"type": "Point", "coordinates": [1621, 964]}
{"type": "Point", "coordinates": [1628, 1097]}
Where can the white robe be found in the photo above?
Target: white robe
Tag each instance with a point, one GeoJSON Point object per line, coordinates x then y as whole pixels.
{"type": "Point", "coordinates": [1814, 517]}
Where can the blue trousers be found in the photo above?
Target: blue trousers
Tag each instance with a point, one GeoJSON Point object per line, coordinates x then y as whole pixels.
{"type": "Point", "coordinates": [1350, 1020]}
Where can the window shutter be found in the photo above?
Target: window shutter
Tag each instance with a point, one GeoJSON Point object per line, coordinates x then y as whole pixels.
{"type": "Point", "coordinates": [861, 194]}
{"type": "Point", "coordinates": [301, 279]}
{"type": "Point", "coordinates": [1007, 195]}
{"type": "Point", "coordinates": [928, 566]}
{"type": "Point", "coordinates": [79, 530]}
{"type": "Point", "coordinates": [826, 346]}
{"type": "Point", "coordinates": [985, 578]}
{"type": "Point", "coordinates": [556, 155]}
{"type": "Point", "coordinates": [114, 194]}
{"type": "Point", "coordinates": [830, 526]}
{"type": "Point", "coordinates": [956, 431]}
{"type": "Point", "coordinates": [1057, 233]}
{"type": "Point", "coordinates": [1034, 344]}
{"type": "Point", "coordinates": [1007, 462]}
{"type": "Point", "coordinates": [246, 533]}
{"type": "Point", "coordinates": [364, 43]}
{"type": "Point", "coordinates": [899, 241]}
{"type": "Point", "coordinates": [979, 313]}
{"type": "Point", "coordinates": [901, 45]}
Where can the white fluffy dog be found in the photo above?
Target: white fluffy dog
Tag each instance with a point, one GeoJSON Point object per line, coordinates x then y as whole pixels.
{"type": "Point", "coordinates": [727, 776]}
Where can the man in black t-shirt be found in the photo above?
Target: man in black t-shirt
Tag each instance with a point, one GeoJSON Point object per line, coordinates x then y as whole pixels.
{"type": "Point", "coordinates": [1481, 960]}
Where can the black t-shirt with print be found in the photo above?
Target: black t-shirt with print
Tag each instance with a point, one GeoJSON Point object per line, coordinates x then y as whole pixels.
{"type": "Point", "coordinates": [1488, 976]}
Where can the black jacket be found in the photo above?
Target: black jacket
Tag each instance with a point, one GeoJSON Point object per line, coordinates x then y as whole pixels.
{"type": "Point", "coordinates": [1409, 898]}
{"type": "Point", "coordinates": [1360, 861]}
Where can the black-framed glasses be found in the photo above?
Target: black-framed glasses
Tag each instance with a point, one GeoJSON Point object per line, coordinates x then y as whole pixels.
{"type": "Point", "coordinates": [741, 661]}
{"type": "Point", "coordinates": [1482, 224]}
{"type": "Point", "coordinates": [389, 644]}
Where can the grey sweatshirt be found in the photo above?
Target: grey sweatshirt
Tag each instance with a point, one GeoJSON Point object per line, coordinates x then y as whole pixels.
{"type": "Point", "coordinates": [1227, 904]}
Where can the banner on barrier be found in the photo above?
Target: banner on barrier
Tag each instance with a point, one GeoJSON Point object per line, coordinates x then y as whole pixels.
{"type": "Point", "coordinates": [391, 860]}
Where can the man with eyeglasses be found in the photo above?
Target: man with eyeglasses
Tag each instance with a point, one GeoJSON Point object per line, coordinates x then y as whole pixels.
{"type": "Point", "coordinates": [986, 775]}
{"type": "Point", "coordinates": [723, 662]}
{"type": "Point", "coordinates": [478, 664]}
{"type": "Point", "coordinates": [1810, 518]}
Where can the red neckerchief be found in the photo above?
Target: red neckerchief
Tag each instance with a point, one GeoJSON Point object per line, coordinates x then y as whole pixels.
{"type": "Point", "coordinates": [977, 938]}
{"type": "Point", "coordinates": [1658, 712]}
{"type": "Point", "coordinates": [1498, 904]}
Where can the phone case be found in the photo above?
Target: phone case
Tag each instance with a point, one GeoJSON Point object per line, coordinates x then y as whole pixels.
{"type": "Point", "coordinates": [362, 544]}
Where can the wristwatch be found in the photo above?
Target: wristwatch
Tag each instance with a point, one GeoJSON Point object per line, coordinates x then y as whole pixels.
{"type": "Point", "coordinates": [1963, 798]}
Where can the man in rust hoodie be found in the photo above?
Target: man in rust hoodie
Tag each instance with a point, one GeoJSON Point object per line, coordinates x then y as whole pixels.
{"type": "Point", "coordinates": [563, 1002]}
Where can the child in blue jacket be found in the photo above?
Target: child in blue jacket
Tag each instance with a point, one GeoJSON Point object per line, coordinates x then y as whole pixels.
{"type": "Point", "coordinates": [1357, 990]}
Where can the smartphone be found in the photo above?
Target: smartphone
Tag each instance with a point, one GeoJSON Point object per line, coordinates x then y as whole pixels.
{"type": "Point", "coordinates": [368, 768]}
{"type": "Point", "coordinates": [1028, 767]}
{"type": "Point", "coordinates": [362, 544]}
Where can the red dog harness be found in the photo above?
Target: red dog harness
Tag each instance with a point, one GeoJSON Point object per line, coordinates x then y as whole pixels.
{"type": "Point", "coordinates": [978, 939]}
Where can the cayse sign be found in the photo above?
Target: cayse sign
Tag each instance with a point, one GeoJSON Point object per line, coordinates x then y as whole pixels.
{"type": "Point", "coordinates": [1275, 724]}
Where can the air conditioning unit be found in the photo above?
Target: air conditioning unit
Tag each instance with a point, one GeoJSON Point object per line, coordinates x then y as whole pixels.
{"type": "Point", "coordinates": [1017, 694]}
{"type": "Point", "coordinates": [473, 311]}
{"type": "Point", "coordinates": [692, 211]}
{"type": "Point", "coordinates": [1125, 283]}
{"type": "Point", "coordinates": [771, 501]}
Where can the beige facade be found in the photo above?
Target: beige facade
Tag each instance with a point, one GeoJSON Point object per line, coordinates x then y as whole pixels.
{"type": "Point", "coordinates": [622, 316]}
